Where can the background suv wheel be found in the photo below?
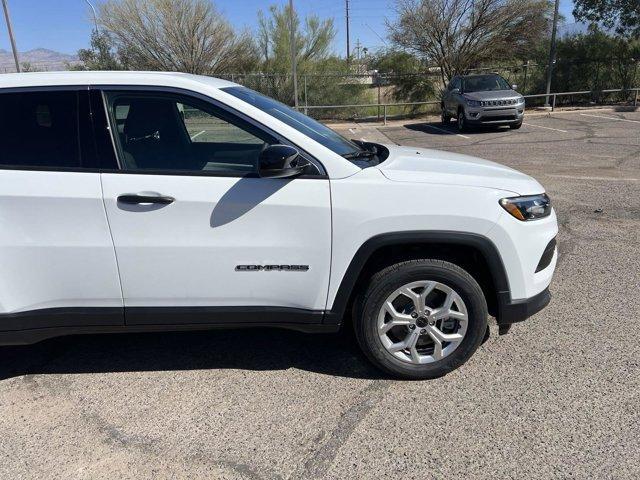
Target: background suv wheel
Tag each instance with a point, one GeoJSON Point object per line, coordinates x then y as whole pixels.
{"type": "Point", "coordinates": [445, 118]}
{"type": "Point", "coordinates": [421, 319]}
{"type": "Point", "coordinates": [462, 121]}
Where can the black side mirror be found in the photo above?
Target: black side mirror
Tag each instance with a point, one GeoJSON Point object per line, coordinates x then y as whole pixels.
{"type": "Point", "coordinates": [281, 161]}
{"type": "Point", "coordinates": [455, 90]}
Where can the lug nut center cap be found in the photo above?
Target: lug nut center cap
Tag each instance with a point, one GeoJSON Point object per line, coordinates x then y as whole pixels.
{"type": "Point", "coordinates": [422, 322]}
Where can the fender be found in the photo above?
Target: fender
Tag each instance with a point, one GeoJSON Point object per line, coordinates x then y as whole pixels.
{"type": "Point", "coordinates": [364, 253]}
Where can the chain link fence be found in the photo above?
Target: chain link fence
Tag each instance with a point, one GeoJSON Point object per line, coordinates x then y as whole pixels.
{"type": "Point", "coordinates": [368, 96]}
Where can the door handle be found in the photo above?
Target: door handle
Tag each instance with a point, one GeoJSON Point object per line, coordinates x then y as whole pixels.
{"type": "Point", "coordinates": [135, 199]}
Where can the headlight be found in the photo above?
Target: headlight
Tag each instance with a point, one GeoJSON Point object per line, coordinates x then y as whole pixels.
{"type": "Point", "coordinates": [520, 100]}
{"type": "Point", "coordinates": [532, 207]}
{"type": "Point", "coordinates": [473, 103]}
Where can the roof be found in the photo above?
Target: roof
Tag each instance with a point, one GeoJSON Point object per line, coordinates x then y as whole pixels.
{"type": "Point", "coordinates": [165, 79]}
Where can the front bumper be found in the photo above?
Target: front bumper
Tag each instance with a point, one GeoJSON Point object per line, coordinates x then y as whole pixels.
{"type": "Point", "coordinates": [516, 311]}
{"type": "Point", "coordinates": [494, 116]}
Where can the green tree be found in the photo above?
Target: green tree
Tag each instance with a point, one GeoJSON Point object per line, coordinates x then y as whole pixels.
{"type": "Point", "coordinates": [313, 39]}
{"type": "Point", "coordinates": [457, 35]}
{"type": "Point", "coordinates": [594, 61]}
{"type": "Point", "coordinates": [405, 75]}
{"type": "Point", "coordinates": [621, 15]}
{"type": "Point", "coordinates": [176, 35]}
{"type": "Point", "coordinates": [101, 55]}
{"type": "Point", "coordinates": [325, 76]}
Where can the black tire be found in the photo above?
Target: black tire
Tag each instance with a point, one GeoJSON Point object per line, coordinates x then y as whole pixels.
{"type": "Point", "coordinates": [515, 126]}
{"type": "Point", "coordinates": [462, 122]}
{"type": "Point", "coordinates": [383, 283]}
{"type": "Point", "coordinates": [445, 118]}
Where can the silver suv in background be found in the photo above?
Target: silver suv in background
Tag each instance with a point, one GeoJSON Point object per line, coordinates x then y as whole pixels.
{"type": "Point", "coordinates": [482, 100]}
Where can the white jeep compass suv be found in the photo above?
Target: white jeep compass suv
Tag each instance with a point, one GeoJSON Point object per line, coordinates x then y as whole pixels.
{"type": "Point", "coordinates": [135, 201]}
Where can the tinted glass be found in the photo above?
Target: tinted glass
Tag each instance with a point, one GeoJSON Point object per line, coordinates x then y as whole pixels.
{"type": "Point", "coordinates": [39, 129]}
{"type": "Point", "coordinates": [158, 132]}
{"type": "Point", "coordinates": [306, 125]}
{"type": "Point", "coordinates": [485, 83]}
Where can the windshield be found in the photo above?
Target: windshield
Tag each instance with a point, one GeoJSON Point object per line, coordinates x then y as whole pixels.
{"type": "Point", "coordinates": [484, 83]}
{"type": "Point", "coordinates": [310, 127]}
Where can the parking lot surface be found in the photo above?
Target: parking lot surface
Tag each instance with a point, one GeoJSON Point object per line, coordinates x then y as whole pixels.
{"type": "Point", "coordinates": [558, 397]}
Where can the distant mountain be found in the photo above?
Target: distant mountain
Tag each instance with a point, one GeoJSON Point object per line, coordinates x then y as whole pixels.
{"type": "Point", "coordinates": [38, 59]}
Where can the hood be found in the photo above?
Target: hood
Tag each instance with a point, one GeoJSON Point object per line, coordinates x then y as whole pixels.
{"type": "Point", "coordinates": [493, 95]}
{"type": "Point", "coordinates": [419, 165]}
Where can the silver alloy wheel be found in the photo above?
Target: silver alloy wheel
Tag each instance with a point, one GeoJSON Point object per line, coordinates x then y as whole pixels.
{"type": "Point", "coordinates": [422, 322]}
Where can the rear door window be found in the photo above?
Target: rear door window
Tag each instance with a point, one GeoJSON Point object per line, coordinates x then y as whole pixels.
{"type": "Point", "coordinates": [40, 129]}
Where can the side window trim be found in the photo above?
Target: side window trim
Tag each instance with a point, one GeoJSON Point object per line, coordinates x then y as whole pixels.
{"type": "Point", "coordinates": [200, 98]}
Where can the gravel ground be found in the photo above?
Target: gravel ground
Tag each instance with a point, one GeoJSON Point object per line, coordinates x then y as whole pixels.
{"type": "Point", "coordinates": [558, 397]}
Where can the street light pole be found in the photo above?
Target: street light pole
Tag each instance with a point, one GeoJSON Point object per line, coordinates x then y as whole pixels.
{"type": "Point", "coordinates": [294, 61]}
{"type": "Point", "coordinates": [95, 15]}
{"type": "Point", "coordinates": [552, 51]}
{"type": "Point", "coordinates": [10, 30]}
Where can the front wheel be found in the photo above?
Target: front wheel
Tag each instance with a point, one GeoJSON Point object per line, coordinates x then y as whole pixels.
{"type": "Point", "coordinates": [462, 121]}
{"type": "Point", "coordinates": [421, 319]}
{"type": "Point", "coordinates": [445, 118]}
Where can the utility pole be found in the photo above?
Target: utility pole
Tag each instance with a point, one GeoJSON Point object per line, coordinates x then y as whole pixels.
{"type": "Point", "coordinates": [348, 33]}
{"type": "Point", "coordinates": [552, 52]}
{"type": "Point", "coordinates": [294, 55]}
{"type": "Point", "coordinates": [10, 30]}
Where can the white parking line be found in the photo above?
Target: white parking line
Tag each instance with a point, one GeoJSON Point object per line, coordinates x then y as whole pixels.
{"type": "Point", "coordinates": [608, 179]}
{"type": "Point", "coordinates": [548, 128]}
{"type": "Point", "coordinates": [198, 134]}
{"type": "Point", "coordinates": [447, 131]}
{"type": "Point", "coordinates": [610, 118]}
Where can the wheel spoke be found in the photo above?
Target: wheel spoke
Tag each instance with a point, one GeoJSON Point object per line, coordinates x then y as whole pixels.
{"type": "Point", "coordinates": [397, 318]}
{"type": "Point", "coordinates": [437, 348]}
{"type": "Point", "coordinates": [438, 336]}
{"type": "Point", "coordinates": [428, 288]}
{"type": "Point", "coordinates": [448, 302]}
{"type": "Point", "coordinates": [415, 356]}
{"type": "Point", "coordinates": [409, 342]}
{"type": "Point", "coordinates": [413, 296]}
{"type": "Point", "coordinates": [393, 323]}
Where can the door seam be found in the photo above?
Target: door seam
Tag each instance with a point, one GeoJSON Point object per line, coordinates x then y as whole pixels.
{"type": "Point", "coordinates": [113, 244]}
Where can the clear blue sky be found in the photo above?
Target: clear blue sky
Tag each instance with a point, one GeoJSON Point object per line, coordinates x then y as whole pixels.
{"type": "Point", "coordinates": [65, 25]}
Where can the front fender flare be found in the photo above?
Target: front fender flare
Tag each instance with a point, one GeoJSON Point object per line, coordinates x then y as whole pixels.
{"type": "Point", "coordinates": [484, 245]}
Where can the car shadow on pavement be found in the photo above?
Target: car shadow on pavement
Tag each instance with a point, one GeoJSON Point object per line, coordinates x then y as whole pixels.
{"type": "Point", "coordinates": [248, 349]}
{"type": "Point", "coordinates": [437, 128]}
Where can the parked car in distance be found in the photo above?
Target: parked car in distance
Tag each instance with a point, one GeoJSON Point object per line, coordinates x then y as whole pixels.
{"type": "Point", "coordinates": [133, 202]}
{"type": "Point", "coordinates": [482, 100]}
